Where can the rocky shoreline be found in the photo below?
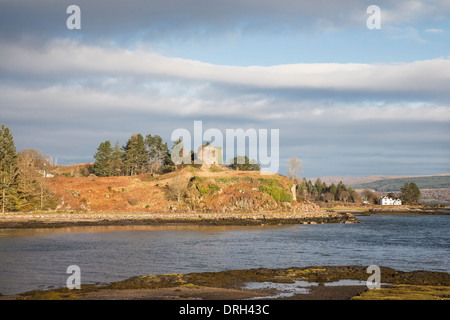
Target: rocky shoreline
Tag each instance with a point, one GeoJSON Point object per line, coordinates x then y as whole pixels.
{"type": "Point", "coordinates": [55, 220]}
{"type": "Point", "coordinates": [315, 282]}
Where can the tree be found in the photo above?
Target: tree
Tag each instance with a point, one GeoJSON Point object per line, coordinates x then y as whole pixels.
{"type": "Point", "coordinates": [103, 164]}
{"type": "Point", "coordinates": [333, 189]}
{"type": "Point", "coordinates": [410, 193]}
{"type": "Point", "coordinates": [244, 164]}
{"type": "Point", "coordinates": [318, 186]}
{"type": "Point", "coordinates": [156, 152]}
{"type": "Point", "coordinates": [177, 188]}
{"type": "Point", "coordinates": [370, 196]}
{"type": "Point", "coordinates": [328, 197]}
{"type": "Point", "coordinates": [177, 152]}
{"type": "Point", "coordinates": [117, 160]}
{"type": "Point", "coordinates": [135, 158]}
{"type": "Point", "coordinates": [294, 169]}
{"type": "Point", "coordinates": [355, 197]}
{"type": "Point", "coordinates": [8, 167]}
{"type": "Point", "coordinates": [310, 187]}
{"type": "Point", "coordinates": [32, 185]}
{"type": "Point", "coordinates": [343, 195]}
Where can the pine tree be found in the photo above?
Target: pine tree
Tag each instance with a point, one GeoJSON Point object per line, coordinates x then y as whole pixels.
{"type": "Point", "coordinates": [156, 152]}
{"type": "Point", "coordinates": [135, 158]}
{"type": "Point", "coordinates": [8, 168]}
{"type": "Point", "coordinates": [117, 160]}
{"type": "Point", "coordinates": [333, 189]}
{"type": "Point", "coordinates": [410, 193]}
{"type": "Point", "coordinates": [103, 157]}
{"type": "Point", "coordinates": [318, 186]}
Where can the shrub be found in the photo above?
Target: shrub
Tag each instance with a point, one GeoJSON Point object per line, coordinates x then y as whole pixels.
{"type": "Point", "coordinates": [133, 201]}
{"type": "Point", "coordinates": [274, 188]}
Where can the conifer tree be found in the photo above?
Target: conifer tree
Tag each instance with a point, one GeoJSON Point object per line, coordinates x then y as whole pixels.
{"type": "Point", "coordinates": [8, 168]}
{"type": "Point", "coordinates": [117, 160]}
{"type": "Point", "coordinates": [156, 152]}
{"type": "Point", "coordinates": [135, 158]}
{"type": "Point", "coordinates": [103, 157]}
{"type": "Point", "coordinates": [410, 193]}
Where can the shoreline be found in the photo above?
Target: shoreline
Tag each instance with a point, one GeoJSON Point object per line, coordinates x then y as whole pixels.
{"type": "Point", "coordinates": [306, 283]}
{"type": "Point", "coordinates": [339, 214]}
{"type": "Point", "coordinates": [58, 220]}
{"type": "Point", "coordinates": [405, 209]}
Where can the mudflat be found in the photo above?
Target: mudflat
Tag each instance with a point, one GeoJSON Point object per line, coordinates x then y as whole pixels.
{"type": "Point", "coordinates": [310, 283]}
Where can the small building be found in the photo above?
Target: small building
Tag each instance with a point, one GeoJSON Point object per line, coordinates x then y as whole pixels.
{"type": "Point", "coordinates": [388, 201]}
{"type": "Point", "coordinates": [209, 155]}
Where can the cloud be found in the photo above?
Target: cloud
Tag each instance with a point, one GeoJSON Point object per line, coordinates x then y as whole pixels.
{"type": "Point", "coordinates": [434, 30]}
{"type": "Point", "coordinates": [138, 19]}
{"type": "Point", "coordinates": [74, 60]}
{"type": "Point", "coordinates": [63, 92]}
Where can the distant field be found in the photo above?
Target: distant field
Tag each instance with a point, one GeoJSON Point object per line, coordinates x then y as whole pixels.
{"type": "Point", "coordinates": [387, 185]}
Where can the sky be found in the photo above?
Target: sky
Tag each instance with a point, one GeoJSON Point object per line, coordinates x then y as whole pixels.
{"type": "Point", "coordinates": [346, 99]}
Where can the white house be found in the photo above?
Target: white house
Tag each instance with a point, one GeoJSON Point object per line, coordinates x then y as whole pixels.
{"type": "Point", "coordinates": [387, 201]}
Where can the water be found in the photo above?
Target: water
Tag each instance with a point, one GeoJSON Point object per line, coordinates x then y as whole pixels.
{"type": "Point", "coordinates": [38, 259]}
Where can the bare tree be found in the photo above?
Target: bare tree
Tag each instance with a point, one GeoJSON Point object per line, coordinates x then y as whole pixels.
{"type": "Point", "coordinates": [294, 169]}
{"type": "Point", "coordinates": [177, 188]}
{"type": "Point", "coordinates": [32, 179]}
{"type": "Point", "coordinates": [328, 197]}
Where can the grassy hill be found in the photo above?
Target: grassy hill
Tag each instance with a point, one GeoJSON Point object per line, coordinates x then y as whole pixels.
{"type": "Point", "coordinates": [188, 190]}
{"type": "Point", "coordinates": [387, 185]}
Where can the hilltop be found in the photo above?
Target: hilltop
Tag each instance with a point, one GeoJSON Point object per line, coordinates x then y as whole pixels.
{"type": "Point", "coordinates": [356, 181]}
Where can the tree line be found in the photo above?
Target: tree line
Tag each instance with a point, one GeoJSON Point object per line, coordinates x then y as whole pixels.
{"type": "Point", "coordinates": [320, 191]}
{"type": "Point", "coordinates": [23, 185]}
{"type": "Point", "coordinates": [149, 154]}
{"type": "Point", "coordinates": [139, 155]}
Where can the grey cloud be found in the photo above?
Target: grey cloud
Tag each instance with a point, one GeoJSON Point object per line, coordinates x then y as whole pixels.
{"type": "Point", "coordinates": [65, 97]}
{"type": "Point", "coordinates": [128, 20]}
{"type": "Point", "coordinates": [68, 58]}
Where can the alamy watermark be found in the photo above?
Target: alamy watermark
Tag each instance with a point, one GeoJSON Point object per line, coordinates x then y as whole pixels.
{"type": "Point", "coordinates": [374, 20]}
{"type": "Point", "coordinates": [74, 280]}
{"type": "Point", "coordinates": [74, 20]}
{"type": "Point", "coordinates": [374, 281]}
{"type": "Point", "coordinates": [253, 143]}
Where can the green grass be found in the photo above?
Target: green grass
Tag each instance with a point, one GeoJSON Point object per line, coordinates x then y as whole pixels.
{"type": "Point", "coordinates": [275, 189]}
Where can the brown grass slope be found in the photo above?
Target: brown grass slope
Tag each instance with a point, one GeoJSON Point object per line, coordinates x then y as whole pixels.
{"type": "Point", "coordinates": [204, 190]}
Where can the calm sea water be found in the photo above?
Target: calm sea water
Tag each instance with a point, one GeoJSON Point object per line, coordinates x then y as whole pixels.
{"type": "Point", "coordinates": [38, 259]}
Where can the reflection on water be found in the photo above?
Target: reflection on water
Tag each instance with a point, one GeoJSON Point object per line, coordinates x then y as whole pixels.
{"type": "Point", "coordinates": [38, 258]}
{"type": "Point", "coordinates": [10, 233]}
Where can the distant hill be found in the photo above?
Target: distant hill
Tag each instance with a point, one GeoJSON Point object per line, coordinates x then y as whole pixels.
{"type": "Point", "coordinates": [387, 185]}
{"type": "Point", "coordinates": [434, 188]}
{"type": "Point", "coordinates": [357, 181]}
